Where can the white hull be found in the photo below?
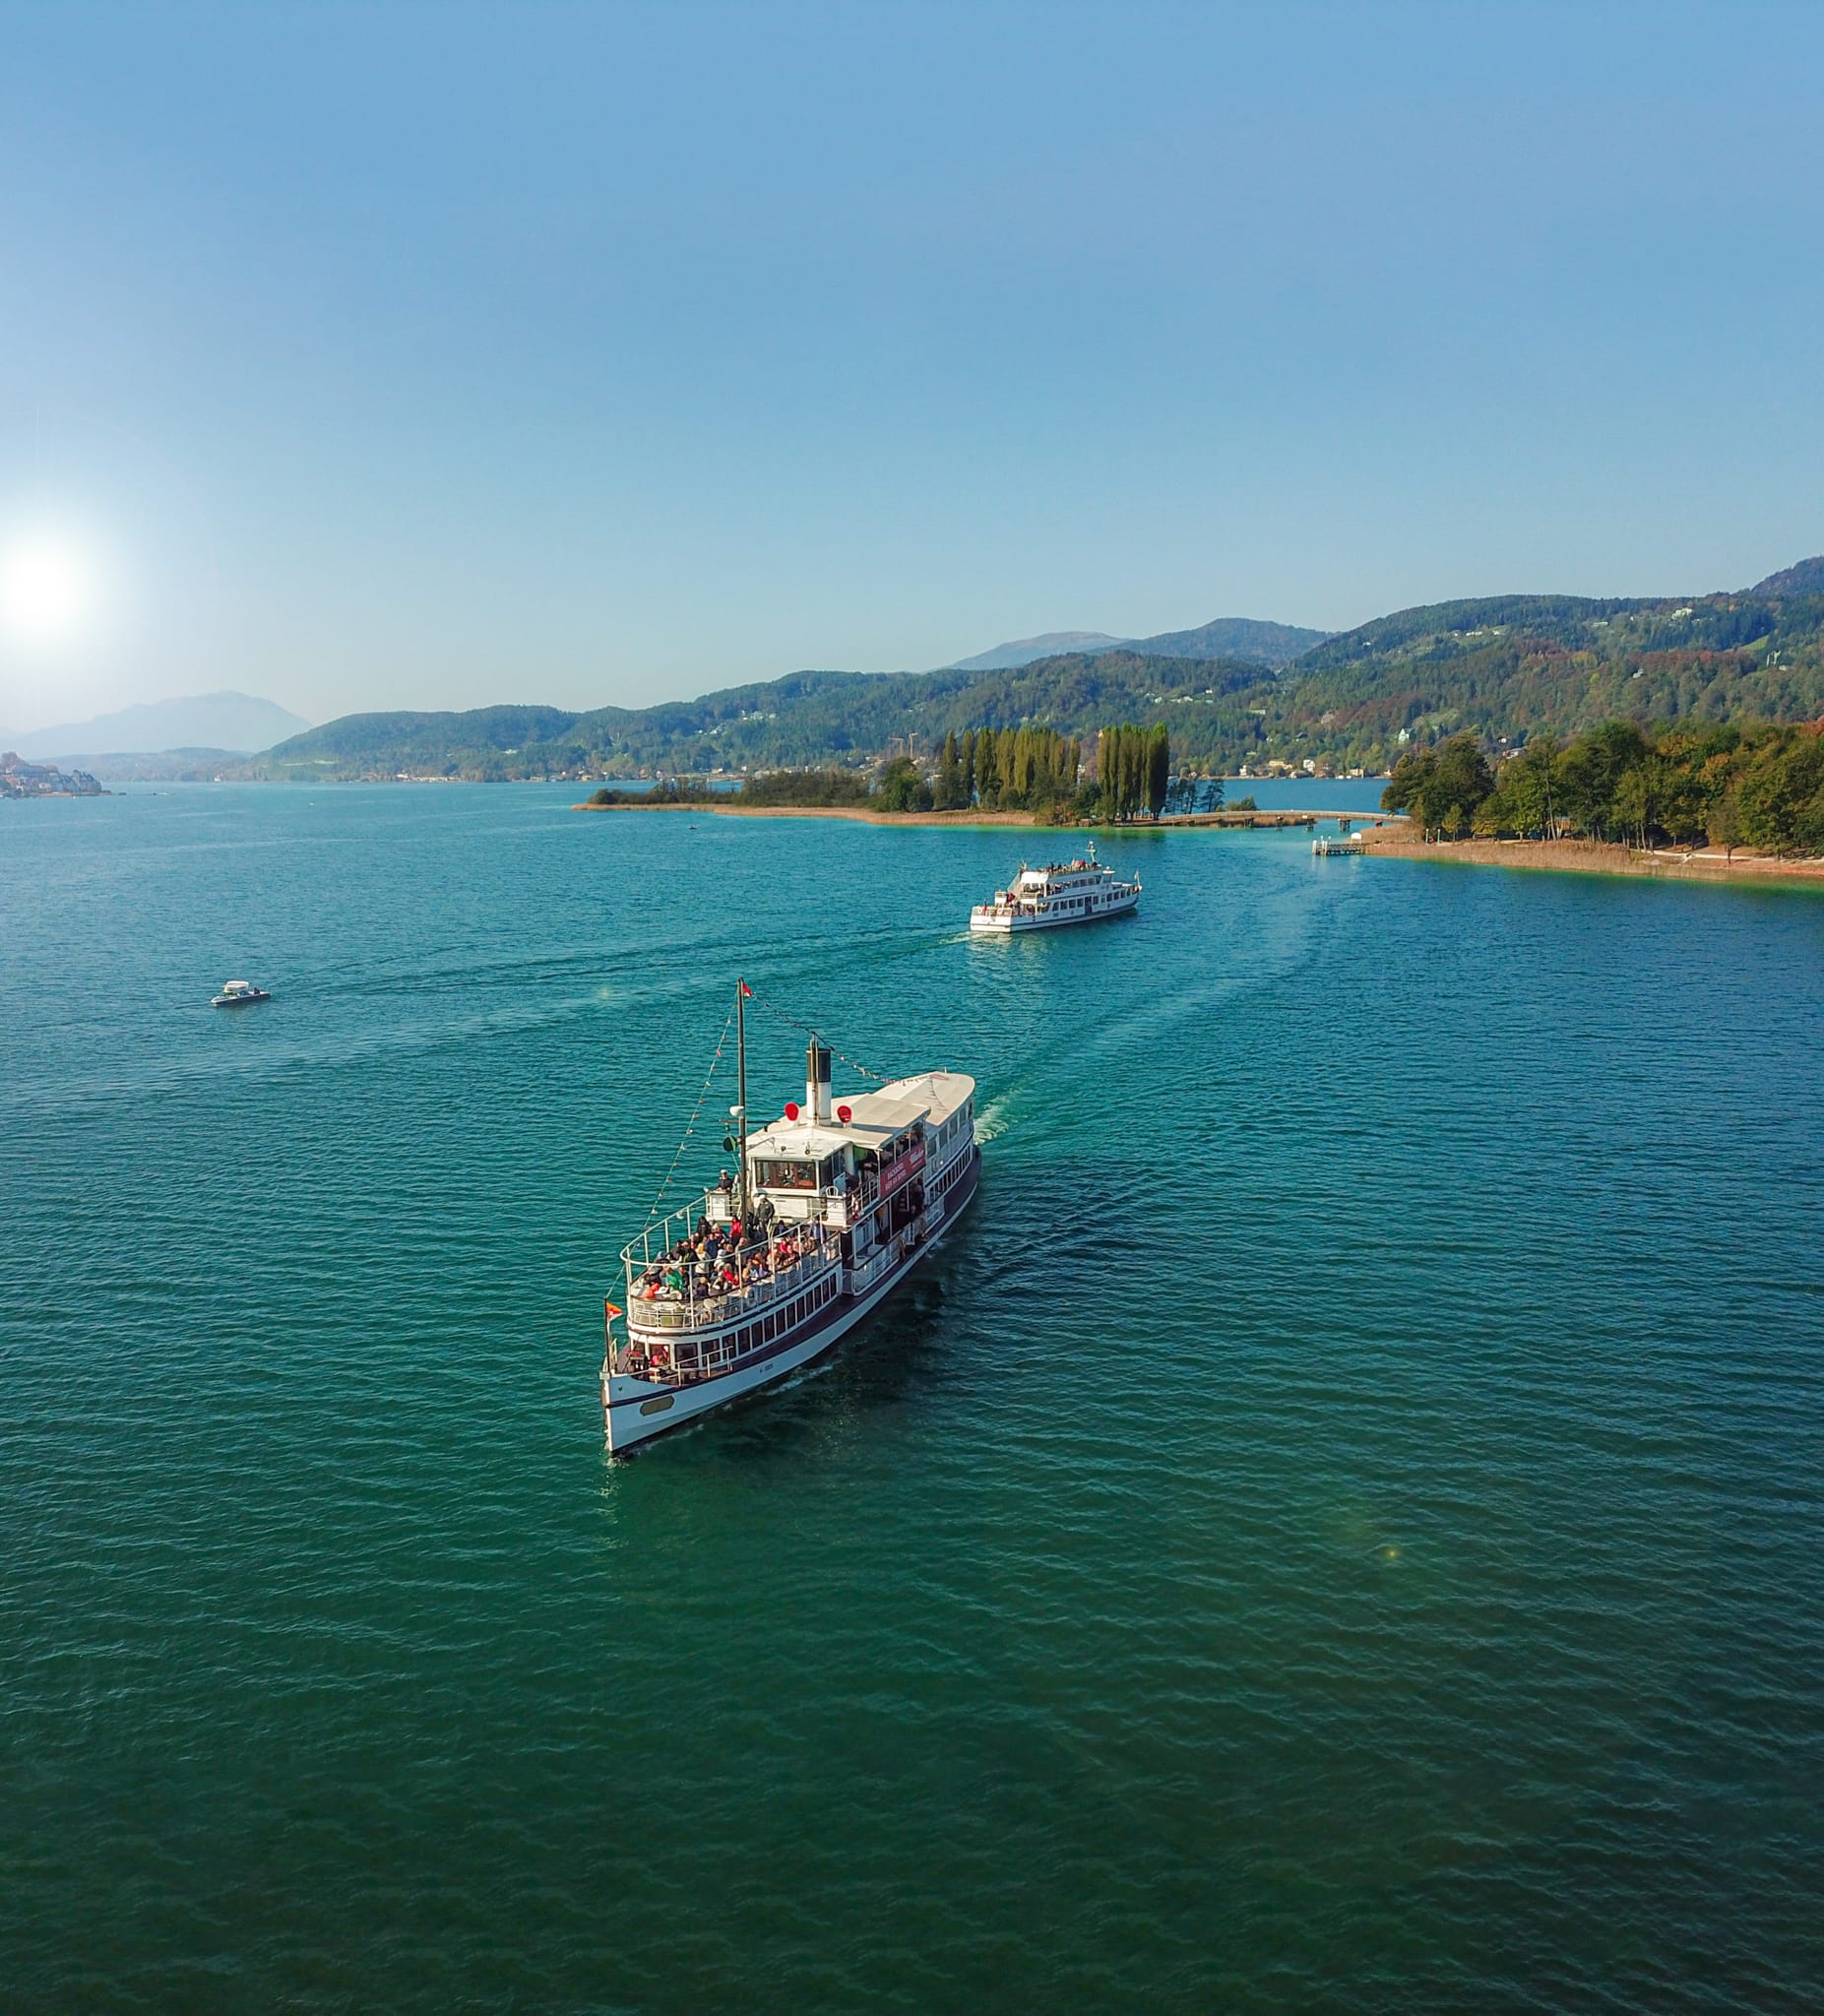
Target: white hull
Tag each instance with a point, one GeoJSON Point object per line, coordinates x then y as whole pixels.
{"type": "Point", "coordinates": [626, 1398]}
{"type": "Point", "coordinates": [1005, 927]}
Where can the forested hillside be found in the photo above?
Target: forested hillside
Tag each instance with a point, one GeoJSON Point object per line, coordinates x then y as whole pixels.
{"type": "Point", "coordinates": [804, 721]}
{"type": "Point", "coordinates": [1522, 666]}
{"type": "Point", "coordinates": [1502, 668]}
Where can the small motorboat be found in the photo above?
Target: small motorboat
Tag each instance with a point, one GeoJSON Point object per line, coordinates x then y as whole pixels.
{"type": "Point", "coordinates": [239, 994]}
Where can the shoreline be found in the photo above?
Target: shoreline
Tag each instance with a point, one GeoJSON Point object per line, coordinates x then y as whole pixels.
{"type": "Point", "coordinates": [864, 813]}
{"type": "Point", "coordinates": [1384, 833]}
{"type": "Point", "coordinates": [1265, 820]}
{"type": "Point", "coordinates": [1608, 858]}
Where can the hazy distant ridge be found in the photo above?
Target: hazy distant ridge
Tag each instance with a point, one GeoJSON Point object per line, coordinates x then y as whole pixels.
{"type": "Point", "coordinates": [240, 724]}
{"type": "Point", "coordinates": [1024, 650]}
{"type": "Point", "coordinates": [1242, 637]}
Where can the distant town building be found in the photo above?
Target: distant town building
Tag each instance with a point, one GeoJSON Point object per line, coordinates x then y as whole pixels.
{"type": "Point", "coordinates": [22, 780]}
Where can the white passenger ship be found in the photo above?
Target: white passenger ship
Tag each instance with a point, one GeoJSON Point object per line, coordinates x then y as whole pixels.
{"type": "Point", "coordinates": [830, 1210]}
{"type": "Point", "coordinates": [1064, 893]}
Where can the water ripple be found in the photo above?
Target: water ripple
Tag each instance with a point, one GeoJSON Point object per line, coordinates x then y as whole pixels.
{"type": "Point", "coordinates": [1340, 1528]}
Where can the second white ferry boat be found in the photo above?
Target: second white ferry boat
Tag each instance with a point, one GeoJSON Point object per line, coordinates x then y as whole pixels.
{"type": "Point", "coordinates": [1064, 893]}
{"type": "Point", "coordinates": [831, 1208]}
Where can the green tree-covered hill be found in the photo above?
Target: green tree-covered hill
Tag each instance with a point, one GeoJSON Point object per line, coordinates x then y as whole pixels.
{"type": "Point", "coordinates": [806, 719]}
{"type": "Point", "coordinates": [1504, 669]}
{"type": "Point", "coordinates": [1513, 667]}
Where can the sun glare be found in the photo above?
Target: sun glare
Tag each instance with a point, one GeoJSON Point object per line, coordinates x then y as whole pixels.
{"type": "Point", "coordinates": [45, 588]}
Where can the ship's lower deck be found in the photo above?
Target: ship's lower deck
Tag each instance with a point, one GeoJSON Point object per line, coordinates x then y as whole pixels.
{"type": "Point", "coordinates": [1003, 922]}
{"type": "Point", "coordinates": [637, 1410]}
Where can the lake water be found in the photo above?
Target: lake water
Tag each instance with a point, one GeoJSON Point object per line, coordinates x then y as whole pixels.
{"type": "Point", "coordinates": [1341, 1528]}
{"type": "Point", "coordinates": [1308, 793]}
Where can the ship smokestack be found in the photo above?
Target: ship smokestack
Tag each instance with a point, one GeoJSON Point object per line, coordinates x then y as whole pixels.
{"type": "Point", "coordinates": [817, 1082]}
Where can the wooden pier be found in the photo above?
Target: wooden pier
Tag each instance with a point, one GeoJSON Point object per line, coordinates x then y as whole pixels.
{"type": "Point", "coordinates": [1272, 819]}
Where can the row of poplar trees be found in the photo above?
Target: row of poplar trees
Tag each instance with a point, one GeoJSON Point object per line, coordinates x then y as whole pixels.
{"type": "Point", "coordinates": [1014, 769]}
{"type": "Point", "coordinates": [1035, 769]}
{"type": "Point", "coordinates": [1134, 765]}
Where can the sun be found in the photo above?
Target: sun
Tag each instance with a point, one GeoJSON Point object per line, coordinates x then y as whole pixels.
{"type": "Point", "coordinates": [45, 588]}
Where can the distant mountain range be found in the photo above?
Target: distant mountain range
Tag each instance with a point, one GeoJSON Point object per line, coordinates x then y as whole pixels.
{"type": "Point", "coordinates": [215, 725]}
{"type": "Point", "coordinates": [1506, 666]}
{"type": "Point", "coordinates": [1235, 637]}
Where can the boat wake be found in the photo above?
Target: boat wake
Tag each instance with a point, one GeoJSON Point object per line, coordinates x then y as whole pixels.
{"type": "Point", "coordinates": [992, 1120]}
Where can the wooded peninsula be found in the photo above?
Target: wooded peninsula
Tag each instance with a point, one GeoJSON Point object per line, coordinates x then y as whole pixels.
{"type": "Point", "coordinates": [1028, 770]}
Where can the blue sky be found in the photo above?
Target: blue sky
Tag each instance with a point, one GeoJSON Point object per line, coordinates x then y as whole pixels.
{"type": "Point", "coordinates": [389, 356]}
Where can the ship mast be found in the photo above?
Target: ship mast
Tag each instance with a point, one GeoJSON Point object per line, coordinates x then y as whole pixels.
{"type": "Point", "coordinates": [740, 1073]}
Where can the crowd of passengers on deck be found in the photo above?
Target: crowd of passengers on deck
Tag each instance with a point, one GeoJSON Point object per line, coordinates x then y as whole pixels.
{"type": "Point", "coordinates": [723, 1260]}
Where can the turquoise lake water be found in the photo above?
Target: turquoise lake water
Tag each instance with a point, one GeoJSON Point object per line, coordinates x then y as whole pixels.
{"type": "Point", "coordinates": [1341, 1528]}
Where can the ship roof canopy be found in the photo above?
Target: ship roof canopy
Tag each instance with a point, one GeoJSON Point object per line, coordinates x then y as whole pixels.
{"type": "Point", "coordinates": [875, 1118]}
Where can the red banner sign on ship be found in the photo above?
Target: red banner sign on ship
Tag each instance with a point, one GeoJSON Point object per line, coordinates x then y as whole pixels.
{"type": "Point", "coordinates": [903, 1171]}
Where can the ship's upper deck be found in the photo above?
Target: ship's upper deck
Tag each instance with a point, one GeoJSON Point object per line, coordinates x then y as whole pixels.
{"type": "Point", "coordinates": [811, 1184]}
{"type": "Point", "coordinates": [876, 1120]}
{"type": "Point", "coordinates": [1062, 875]}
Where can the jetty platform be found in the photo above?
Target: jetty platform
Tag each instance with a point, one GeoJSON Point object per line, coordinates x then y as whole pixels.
{"type": "Point", "coordinates": [1270, 819]}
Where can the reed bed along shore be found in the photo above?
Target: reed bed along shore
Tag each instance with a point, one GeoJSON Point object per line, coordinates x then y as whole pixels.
{"type": "Point", "coordinates": [1602, 857]}
{"type": "Point", "coordinates": [871, 816]}
{"type": "Point", "coordinates": [865, 813]}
